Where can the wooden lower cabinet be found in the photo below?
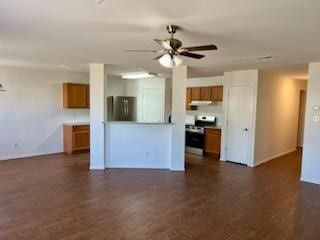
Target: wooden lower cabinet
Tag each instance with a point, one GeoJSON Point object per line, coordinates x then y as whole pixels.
{"type": "Point", "coordinates": [76, 138]}
{"type": "Point", "coordinates": [212, 142]}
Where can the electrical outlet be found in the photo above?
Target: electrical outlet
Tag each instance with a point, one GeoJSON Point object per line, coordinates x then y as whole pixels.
{"type": "Point", "coordinates": [16, 145]}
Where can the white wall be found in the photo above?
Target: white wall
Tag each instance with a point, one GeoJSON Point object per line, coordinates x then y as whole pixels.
{"type": "Point", "coordinates": [311, 150]}
{"type": "Point", "coordinates": [179, 83]}
{"type": "Point", "coordinates": [216, 109]}
{"type": "Point", "coordinates": [98, 112]}
{"type": "Point", "coordinates": [115, 86]}
{"type": "Point", "coordinates": [31, 111]}
{"type": "Point", "coordinates": [277, 116]}
{"type": "Point", "coordinates": [133, 145]}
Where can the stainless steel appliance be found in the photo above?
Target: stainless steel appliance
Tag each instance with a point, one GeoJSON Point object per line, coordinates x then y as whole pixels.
{"type": "Point", "coordinates": [122, 109]}
{"type": "Point", "coordinates": [195, 134]}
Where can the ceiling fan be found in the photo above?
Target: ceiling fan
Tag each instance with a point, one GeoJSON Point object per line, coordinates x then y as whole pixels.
{"type": "Point", "coordinates": [172, 49]}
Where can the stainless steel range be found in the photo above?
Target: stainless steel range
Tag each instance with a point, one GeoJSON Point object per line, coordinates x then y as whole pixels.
{"type": "Point", "coordinates": [195, 134]}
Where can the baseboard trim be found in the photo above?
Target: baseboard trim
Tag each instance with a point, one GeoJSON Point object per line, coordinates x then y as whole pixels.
{"type": "Point", "coordinates": [274, 157]}
{"type": "Point", "coordinates": [310, 180]}
{"type": "Point", "coordinates": [93, 168]}
{"type": "Point", "coordinates": [20, 156]}
{"type": "Point", "coordinates": [177, 169]}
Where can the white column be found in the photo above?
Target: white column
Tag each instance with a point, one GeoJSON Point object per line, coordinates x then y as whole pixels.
{"type": "Point", "coordinates": [98, 79]}
{"type": "Point", "coordinates": [179, 84]}
{"type": "Point", "coordinates": [311, 150]}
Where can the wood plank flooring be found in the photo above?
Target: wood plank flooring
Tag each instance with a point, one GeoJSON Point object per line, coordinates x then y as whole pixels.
{"type": "Point", "coordinates": [57, 197]}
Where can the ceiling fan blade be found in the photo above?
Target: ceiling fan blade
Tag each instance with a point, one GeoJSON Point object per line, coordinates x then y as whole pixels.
{"type": "Point", "coordinates": [200, 48]}
{"type": "Point", "coordinates": [153, 51]}
{"type": "Point", "coordinates": [158, 57]}
{"type": "Point", "coordinates": [165, 44]}
{"type": "Point", "coordinates": [192, 55]}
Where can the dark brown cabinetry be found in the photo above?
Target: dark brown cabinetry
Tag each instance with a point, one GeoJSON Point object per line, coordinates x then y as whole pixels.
{"type": "Point", "coordinates": [212, 142]}
{"type": "Point", "coordinates": [76, 138]}
{"type": "Point", "coordinates": [76, 95]}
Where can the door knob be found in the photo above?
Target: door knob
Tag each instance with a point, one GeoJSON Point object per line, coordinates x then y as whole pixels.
{"type": "Point", "coordinates": [245, 129]}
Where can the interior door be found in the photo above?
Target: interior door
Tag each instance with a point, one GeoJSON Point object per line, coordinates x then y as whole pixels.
{"type": "Point", "coordinates": [238, 128]}
{"type": "Point", "coordinates": [152, 105]}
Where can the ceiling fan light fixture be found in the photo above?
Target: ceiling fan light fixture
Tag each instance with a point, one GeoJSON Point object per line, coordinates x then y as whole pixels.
{"type": "Point", "coordinates": [170, 61]}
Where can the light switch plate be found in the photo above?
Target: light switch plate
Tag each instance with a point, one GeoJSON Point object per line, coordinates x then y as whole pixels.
{"type": "Point", "coordinates": [316, 118]}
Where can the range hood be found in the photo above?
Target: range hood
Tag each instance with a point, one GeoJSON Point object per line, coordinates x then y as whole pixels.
{"type": "Point", "coordinates": [200, 103]}
{"type": "Point", "coordinates": [2, 88]}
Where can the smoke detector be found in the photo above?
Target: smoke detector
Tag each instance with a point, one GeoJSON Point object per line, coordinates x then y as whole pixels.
{"type": "Point", "coordinates": [266, 58]}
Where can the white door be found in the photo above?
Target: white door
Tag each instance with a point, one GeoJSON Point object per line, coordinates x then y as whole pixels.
{"type": "Point", "coordinates": [238, 123]}
{"type": "Point", "coordinates": [152, 105]}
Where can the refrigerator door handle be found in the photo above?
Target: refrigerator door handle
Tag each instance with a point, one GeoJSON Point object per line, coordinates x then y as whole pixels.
{"type": "Point", "coordinates": [126, 108]}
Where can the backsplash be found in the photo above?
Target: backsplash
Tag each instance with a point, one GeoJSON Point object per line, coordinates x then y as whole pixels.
{"type": "Point", "coordinates": [211, 110]}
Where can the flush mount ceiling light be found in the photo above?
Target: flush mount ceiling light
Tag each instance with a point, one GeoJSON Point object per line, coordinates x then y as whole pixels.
{"type": "Point", "coordinates": [2, 88]}
{"type": "Point", "coordinates": [138, 75]}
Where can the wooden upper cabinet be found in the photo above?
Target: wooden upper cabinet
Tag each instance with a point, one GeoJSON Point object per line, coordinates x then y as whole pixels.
{"type": "Point", "coordinates": [217, 94]}
{"type": "Point", "coordinates": [76, 95]}
{"type": "Point", "coordinates": [188, 98]}
{"type": "Point", "coordinates": [206, 93]}
{"type": "Point", "coordinates": [195, 93]}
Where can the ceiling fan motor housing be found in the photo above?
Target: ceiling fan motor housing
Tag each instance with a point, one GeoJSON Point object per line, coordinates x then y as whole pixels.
{"type": "Point", "coordinates": [175, 43]}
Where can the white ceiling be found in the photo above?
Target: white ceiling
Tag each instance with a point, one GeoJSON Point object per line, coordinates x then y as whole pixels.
{"type": "Point", "coordinates": [47, 33]}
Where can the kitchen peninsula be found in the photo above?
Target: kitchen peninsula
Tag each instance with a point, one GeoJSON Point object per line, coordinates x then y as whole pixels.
{"type": "Point", "coordinates": [138, 145]}
{"type": "Point", "coordinates": [148, 140]}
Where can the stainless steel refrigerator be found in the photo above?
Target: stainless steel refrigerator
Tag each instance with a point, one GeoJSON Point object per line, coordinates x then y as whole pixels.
{"type": "Point", "coordinates": [122, 109]}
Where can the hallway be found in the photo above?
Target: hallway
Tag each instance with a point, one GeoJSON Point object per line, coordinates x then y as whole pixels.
{"type": "Point", "coordinates": [211, 200]}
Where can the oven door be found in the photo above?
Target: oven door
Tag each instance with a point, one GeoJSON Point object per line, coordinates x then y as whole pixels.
{"type": "Point", "coordinates": [194, 140]}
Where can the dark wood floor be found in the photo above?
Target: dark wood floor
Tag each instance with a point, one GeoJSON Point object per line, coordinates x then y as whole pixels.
{"type": "Point", "coordinates": [56, 197]}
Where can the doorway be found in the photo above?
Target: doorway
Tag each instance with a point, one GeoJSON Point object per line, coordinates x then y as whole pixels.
{"type": "Point", "coordinates": [302, 112]}
{"type": "Point", "coordinates": [239, 115]}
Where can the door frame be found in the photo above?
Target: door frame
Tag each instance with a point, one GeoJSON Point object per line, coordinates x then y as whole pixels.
{"type": "Point", "coordinates": [252, 125]}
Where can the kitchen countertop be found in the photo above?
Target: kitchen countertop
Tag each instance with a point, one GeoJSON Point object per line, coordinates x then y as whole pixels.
{"type": "Point", "coordinates": [77, 123]}
{"type": "Point", "coordinates": [139, 123]}
{"type": "Point", "coordinates": [214, 127]}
